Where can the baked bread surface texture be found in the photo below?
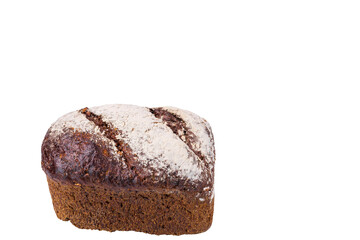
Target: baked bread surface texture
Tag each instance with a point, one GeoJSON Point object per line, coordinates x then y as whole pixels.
{"type": "Point", "coordinates": [124, 167]}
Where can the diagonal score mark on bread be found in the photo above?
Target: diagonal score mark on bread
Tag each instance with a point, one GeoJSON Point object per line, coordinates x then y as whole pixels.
{"type": "Point", "coordinates": [111, 132]}
{"type": "Point", "coordinates": [178, 127]}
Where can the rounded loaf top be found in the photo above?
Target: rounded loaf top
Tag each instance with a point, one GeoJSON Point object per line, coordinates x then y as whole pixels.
{"type": "Point", "coordinates": [130, 146]}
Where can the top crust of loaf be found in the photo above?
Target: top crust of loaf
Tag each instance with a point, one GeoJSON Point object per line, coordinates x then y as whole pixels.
{"type": "Point", "coordinates": [128, 146]}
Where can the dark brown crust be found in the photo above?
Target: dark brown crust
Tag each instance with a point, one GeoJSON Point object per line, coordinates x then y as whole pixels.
{"type": "Point", "coordinates": [78, 157]}
{"type": "Point", "coordinates": [152, 212]}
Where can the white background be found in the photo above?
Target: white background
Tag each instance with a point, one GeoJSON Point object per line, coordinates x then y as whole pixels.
{"type": "Point", "coordinates": [277, 80]}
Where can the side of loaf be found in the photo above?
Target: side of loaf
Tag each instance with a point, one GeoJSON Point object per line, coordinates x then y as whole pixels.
{"type": "Point", "coordinates": [124, 167]}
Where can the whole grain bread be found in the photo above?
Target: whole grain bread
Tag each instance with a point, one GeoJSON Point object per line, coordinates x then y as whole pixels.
{"type": "Point", "coordinates": [125, 167]}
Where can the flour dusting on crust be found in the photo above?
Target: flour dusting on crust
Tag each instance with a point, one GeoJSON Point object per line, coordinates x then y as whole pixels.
{"type": "Point", "coordinates": [201, 128]}
{"type": "Point", "coordinates": [158, 150]}
{"type": "Point", "coordinates": [156, 146]}
{"type": "Point", "coordinates": [205, 140]}
{"type": "Point", "coordinates": [77, 122]}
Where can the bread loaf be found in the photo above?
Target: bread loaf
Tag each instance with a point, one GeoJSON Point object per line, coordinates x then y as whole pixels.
{"type": "Point", "coordinates": [124, 167]}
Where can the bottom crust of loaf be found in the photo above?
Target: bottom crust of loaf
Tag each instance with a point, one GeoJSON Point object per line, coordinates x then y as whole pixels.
{"type": "Point", "coordinates": [152, 212]}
